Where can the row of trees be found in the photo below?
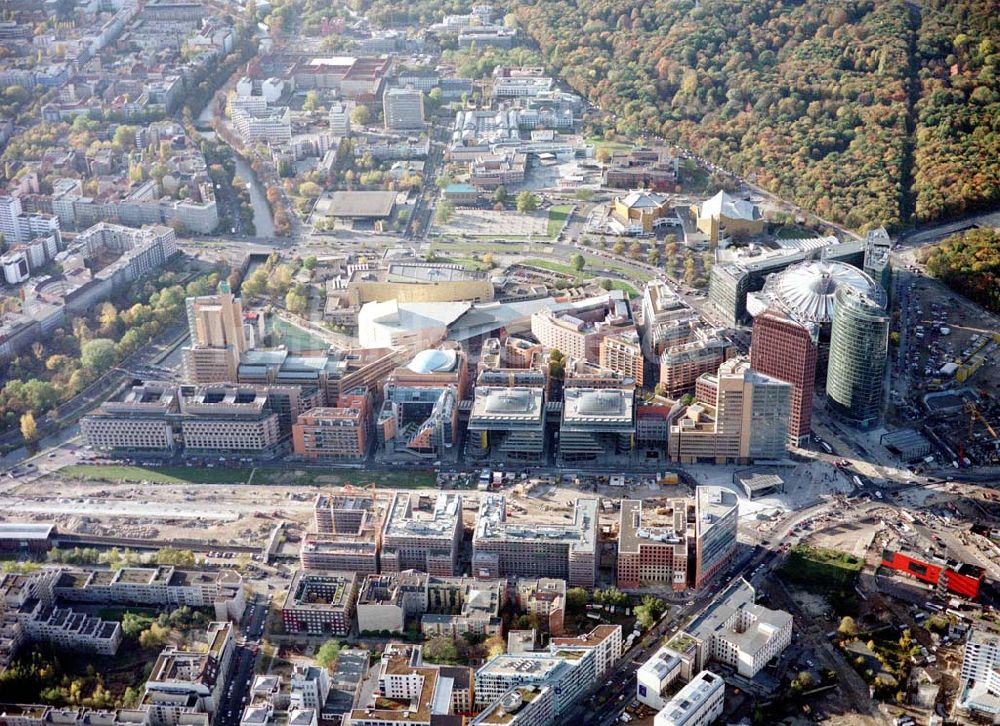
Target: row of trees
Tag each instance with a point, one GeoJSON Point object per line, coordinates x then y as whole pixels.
{"type": "Point", "coordinates": [116, 559]}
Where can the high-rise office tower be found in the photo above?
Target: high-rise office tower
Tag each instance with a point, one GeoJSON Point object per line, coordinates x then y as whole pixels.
{"type": "Point", "coordinates": [858, 347]}
{"type": "Point", "coordinates": [10, 211]}
{"type": "Point", "coordinates": [786, 349]}
{"type": "Point", "coordinates": [217, 337]}
{"type": "Point", "coordinates": [403, 108]}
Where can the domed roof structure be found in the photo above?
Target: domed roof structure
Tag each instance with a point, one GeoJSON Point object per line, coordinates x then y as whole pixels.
{"type": "Point", "coordinates": [433, 361]}
{"type": "Point", "coordinates": [517, 400]}
{"type": "Point", "coordinates": [596, 403]}
{"type": "Point", "coordinates": [806, 290]}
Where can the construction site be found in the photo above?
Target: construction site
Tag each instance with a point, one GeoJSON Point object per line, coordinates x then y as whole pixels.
{"type": "Point", "coordinates": [947, 376]}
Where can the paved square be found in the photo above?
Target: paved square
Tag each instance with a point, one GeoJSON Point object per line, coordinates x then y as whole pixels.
{"type": "Point", "coordinates": [490, 223]}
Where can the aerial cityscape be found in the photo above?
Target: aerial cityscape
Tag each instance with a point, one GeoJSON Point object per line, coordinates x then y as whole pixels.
{"type": "Point", "coordinates": [527, 363]}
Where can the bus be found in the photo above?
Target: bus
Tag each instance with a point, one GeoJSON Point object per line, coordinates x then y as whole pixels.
{"type": "Point", "coordinates": [933, 606]}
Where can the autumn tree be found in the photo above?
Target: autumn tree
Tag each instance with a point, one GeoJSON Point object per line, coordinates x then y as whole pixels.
{"type": "Point", "coordinates": [29, 429]}
{"type": "Point", "coordinates": [441, 649]}
{"type": "Point", "coordinates": [526, 202]}
{"type": "Point", "coordinates": [360, 115]}
{"type": "Point", "coordinates": [328, 653]}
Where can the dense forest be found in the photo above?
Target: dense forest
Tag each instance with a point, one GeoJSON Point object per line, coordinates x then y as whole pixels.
{"type": "Point", "coordinates": [970, 264]}
{"type": "Point", "coordinates": [958, 133]}
{"type": "Point", "coordinates": [865, 111]}
{"type": "Point", "coordinates": [807, 98]}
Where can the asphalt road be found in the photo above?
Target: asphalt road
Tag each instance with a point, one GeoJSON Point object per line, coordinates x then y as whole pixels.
{"type": "Point", "coordinates": [237, 693]}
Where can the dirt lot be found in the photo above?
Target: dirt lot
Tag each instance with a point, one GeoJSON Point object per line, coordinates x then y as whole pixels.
{"type": "Point", "coordinates": [223, 513]}
{"type": "Point", "coordinates": [852, 537]}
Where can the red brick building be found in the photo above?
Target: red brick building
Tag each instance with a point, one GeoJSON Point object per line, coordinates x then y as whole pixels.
{"type": "Point", "coordinates": [785, 349]}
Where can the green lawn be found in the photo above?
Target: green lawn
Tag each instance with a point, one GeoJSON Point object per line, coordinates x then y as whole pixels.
{"type": "Point", "coordinates": [557, 218]}
{"type": "Point", "coordinates": [794, 231]}
{"type": "Point", "coordinates": [604, 263]}
{"type": "Point", "coordinates": [580, 277]}
{"type": "Point", "coordinates": [625, 287]}
{"type": "Point", "coordinates": [600, 143]}
{"type": "Point", "coordinates": [557, 267]}
{"type": "Point", "coordinates": [821, 569]}
{"type": "Point", "coordinates": [290, 476]}
{"type": "Point", "coordinates": [389, 479]}
{"type": "Point", "coordinates": [157, 475]}
{"type": "Point", "coordinates": [468, 264]}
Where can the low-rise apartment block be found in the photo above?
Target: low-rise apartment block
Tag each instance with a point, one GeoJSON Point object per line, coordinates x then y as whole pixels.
{"type": "Point", "coordinates": [320, 603]}
{"type": "Point", "coordinates": [388, 601]}
{"type": "Point", "coordinates": [29, 612]}
{"type": "Point", "coordinates": [567, 551]}
{"type": "Point", "coordinates": [463, 605]}
{"type": "Point", "coordinates": [699, 703]}
{"type": "Point", "coordinates": [186, 682]}
{"type": "Point", "coordinates": [270, 125]}
{"type": "Point", "coordinates": [163, 586]}
{"type": "Point", "coordinates": [520, 706]}
{"type": "Point", "coordinates": [544, 597]}
{"type": "Point", "coordinates": [410, 692]}
{"type": "Point", "coordinates": [340, 433]}
{"type": "Point", "coordinates": [604, 640]}
{"type": "Point", "coordinates": [569, 672]}
{"type": "Point", "coordinates": [450, 606]}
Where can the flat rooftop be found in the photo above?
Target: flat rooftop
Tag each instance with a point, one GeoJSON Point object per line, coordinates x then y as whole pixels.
{"type": "Point", "coordinates": [321, 590]}
{"type": "Point", "coordinates": [26, 531]}
{"type": "Point", "coordinates": [416, 515]}
{"type": "Point", "coordinates": [580, 535]}
{"type": "Point", "coordinates": [507, 707]}
{"type": "Point", "coordinates": [356, 204]}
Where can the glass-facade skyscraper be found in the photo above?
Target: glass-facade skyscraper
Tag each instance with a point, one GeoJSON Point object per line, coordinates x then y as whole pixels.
{"type": "Point", "coordinates": [859, 344]}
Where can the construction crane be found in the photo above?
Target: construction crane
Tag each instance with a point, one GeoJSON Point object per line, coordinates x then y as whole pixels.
{"type": "Point", "coordinates": [974, 415]}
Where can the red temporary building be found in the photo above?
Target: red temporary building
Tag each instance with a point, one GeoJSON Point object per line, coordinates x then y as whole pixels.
{"type": "Point", "coordinates": [964, 579]}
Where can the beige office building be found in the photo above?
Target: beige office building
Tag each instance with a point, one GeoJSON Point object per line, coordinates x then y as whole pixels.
{"type": "Point", "coordinates": [217, 337]}
{"type": "Point", "coordinates": [740, 415]}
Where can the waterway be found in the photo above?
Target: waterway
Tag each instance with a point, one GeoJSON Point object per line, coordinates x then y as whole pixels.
{"type": "Point", "coordinates": [297, 340]}
{"type": "Point", "coordinates": [262, 221]}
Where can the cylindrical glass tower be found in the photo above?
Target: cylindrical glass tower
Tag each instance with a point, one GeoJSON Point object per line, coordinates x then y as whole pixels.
{"type": "Point", "coordinates": [859, 343]}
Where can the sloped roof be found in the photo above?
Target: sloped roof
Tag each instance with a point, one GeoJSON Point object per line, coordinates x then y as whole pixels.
{"type": "Point", "coordinates": [725, 205]}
